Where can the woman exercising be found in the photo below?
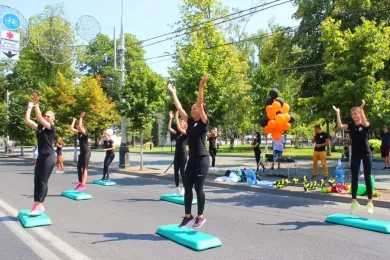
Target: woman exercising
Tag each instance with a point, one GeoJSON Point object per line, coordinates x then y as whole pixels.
{"type": "Point", "coordinates": [358, 131]}
{"type": "Point", "coordinates": [213, 138]}
{"type": "Point", "coordinates": [199, 160]}
{"type": "Point", "coordinates": [109, 147]}
{"type": "Point", "coordinates": [47, 157]}
{"type": "Point", "coordinates": [60, 164]}
{"type": "Point", "coordinates": [180, 159]}
{"type": "Point", "coordinates": [85, 152]}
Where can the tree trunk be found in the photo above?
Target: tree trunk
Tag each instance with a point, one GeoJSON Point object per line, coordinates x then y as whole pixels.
{"type": "Point", "coordinates": [75, 148]}
{"type": "Point", "coordinates": [327, 130]}
{"type": "Point", "coordinates": [141, 165]}
{"type": "Point", "coordinates": [21, 148]}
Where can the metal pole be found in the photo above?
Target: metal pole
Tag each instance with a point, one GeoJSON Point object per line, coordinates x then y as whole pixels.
{"type": "Point", "coordinates": [124, 148]}
{"type": "Point", "coordinates": [7, 136]}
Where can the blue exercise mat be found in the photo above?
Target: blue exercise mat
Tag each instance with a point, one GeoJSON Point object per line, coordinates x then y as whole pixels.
{"type": "Point", "coordinates": [267, 184]}
{"type": "Point", "coordinates": [76, 195]}
{"type": "Point", "coordinates": [104, 183]}
{"type": "Point", "coordinates": [363, 223]}
{"type": "Point", "coordinates": [176, 199]}
{"type": "Point", "coordinates": [190, 238]}
{"type": "Point", "coordinates": [37, 221]}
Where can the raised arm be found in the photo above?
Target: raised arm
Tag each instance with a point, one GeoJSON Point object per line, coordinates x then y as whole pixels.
{"type": "Point", "coordinates": [340, 125]}
{"type": "Point", "coordinates": [82, 129]}
{"type": "Point", "coordinates": [100, 142]}
{"type": "Point", "coordinates": [200, 101]}
{"type": "Point", "coordinates": [38, 113]}
{"type": "Point", "coordinates": [176, 101]}
{"type": "Point", "coordinates": [27, 116]}
{"type": "Point", "coordinates": [181, 130]}
{"type": "Point", "coordinates": [170, 129]}
{"type": "Point", "coordinates": [71, 127]}
{"type": "Point", "coordinates": [363, 117]}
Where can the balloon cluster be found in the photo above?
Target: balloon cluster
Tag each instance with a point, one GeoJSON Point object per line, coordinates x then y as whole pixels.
{"type": "Point", "coordinates": [278, 118]}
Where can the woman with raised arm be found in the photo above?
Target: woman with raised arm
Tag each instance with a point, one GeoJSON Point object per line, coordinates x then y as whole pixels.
{"type": "Point", "coordinates": [85, 152]}
{"type": "Point", "coordinates": [199, 160]}
{"type": "Point", "coordinates": [47, 156]}
{"type": "Point", "coordinates": [180, 159]}
{"type": "Point", "coordinates": [361, 151]}
{"type": "Point", "coordinates": [109, 147]}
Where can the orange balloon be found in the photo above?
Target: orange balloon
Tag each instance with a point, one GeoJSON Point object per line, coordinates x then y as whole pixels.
{"type": "Point", "coordinates": [279, 119]}
{"type": "Point", "coordinates": [287, 117]}
{"type": "Point", "coordinates": [267, 130]}
{"type": "Point", "coordinates": [279, 128]}
{"type": "Point", "coordinates": [285, 108]}
{"type": "Point", "coordinates": [268, 108]}
{"type": "Point", "coordinates": [276, 106]}
{"type": "Point", "coordinates": [287, 126]}
{"type": "Point", "coordinates": [276, 136]}
{"type": "Point", "coordinates": [271, 115]}
{"type": "Point", "coordinates": [271, 124]}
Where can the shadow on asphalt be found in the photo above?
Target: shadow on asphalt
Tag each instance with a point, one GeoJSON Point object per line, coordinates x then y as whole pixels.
{"type": "Point", "coordinates": [20, 162]}
{"type": "Point", "coordinates": [137, 200]}
{"type": "Point", "coordinates": [122, 236]}
{"type": "Point", "coordinates": [298, 224]}
{"type": "Point", "coordinates": [271, 201]}
{"type": "Point", "coordinates": [3, 219]}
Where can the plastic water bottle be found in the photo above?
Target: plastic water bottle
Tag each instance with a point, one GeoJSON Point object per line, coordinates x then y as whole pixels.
{"type": "Point", "coordinates": [250, 177]}
{"type": "Point", "coordinates": [339, 172]}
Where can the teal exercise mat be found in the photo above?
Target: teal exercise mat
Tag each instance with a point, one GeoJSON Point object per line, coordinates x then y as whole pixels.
{"type": "Point", "coordinates": [358, 222]}
{"type": "Point", "coordinates": [176, 199]}
{"type": "Point", "coordinates": [36, 221]}
{"type": "Point", "coordinates": [193, 239]}
{"type": "Point", "coordinates": [104, 183]}
{"type": "Point", "coordinates": [76, 195]}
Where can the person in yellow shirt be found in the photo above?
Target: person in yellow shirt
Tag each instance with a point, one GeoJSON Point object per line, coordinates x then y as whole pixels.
{"type": "Point", "coordinates": [321, 140]}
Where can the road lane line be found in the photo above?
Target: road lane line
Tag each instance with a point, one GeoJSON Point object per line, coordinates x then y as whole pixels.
{"type": "Point", "coordinates": [50, 238]}
{"type": "Point", "coordinates": [36, 246]}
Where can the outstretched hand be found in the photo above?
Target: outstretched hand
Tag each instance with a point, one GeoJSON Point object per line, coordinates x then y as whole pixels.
{"type": "Point", "coordinates": [363, 103]}
{"type": "Point", "coordinates": [177, 114]}
{"type": "Point", "coordinates": [171, 88]}
{"type": "Point", "coordinates": [82, 115]}
{"type": "Point", "coordinates": [204, 79]}
{"type": "Point", "coordinates": [336, 109]}
{"type": "Point", "coordinates": [170, 114]}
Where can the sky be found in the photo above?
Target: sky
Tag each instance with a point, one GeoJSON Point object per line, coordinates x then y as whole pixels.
{"type": "Point", "coordinates": [149, 18]}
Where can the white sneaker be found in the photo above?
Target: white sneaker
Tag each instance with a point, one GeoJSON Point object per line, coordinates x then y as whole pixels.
{"type": "Point", "coordinates": [182, 191]}
{"type": "Point", "coordinates": [176, 192]}
{"type": "Point", "coordinates": [57, 172]}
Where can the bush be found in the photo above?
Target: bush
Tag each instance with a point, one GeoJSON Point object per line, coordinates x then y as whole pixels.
{"type": "Point", "coordinates": [376, 144]}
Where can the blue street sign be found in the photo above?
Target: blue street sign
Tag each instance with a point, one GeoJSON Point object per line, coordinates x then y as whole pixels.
{"type": "Point", "coordinates": [11, 21]}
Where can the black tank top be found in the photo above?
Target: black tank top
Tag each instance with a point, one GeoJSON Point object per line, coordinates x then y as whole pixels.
{"type": "Point", "coordinates": [108, 144]}
{"type": "Point", "coordinates": [181, 142]}
{"type": "Point", "coordinates": [45, 139]}
{"type": "Point", "coordinates": [196, 134]}
{"type": "Point", "coordinates": [59, 150]}
{"type": "Point", "coordinates": [213, 142]}
{"type": "Point", "coordinates": [83, 142]}
{"type": "Point", "coordinates": [256, 148]}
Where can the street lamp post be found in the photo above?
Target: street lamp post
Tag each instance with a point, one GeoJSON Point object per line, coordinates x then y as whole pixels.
{"type": "Point", "coordinates": [124, 148]}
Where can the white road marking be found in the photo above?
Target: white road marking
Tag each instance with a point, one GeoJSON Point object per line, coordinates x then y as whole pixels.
{"type": "Point", "coordinates": [49, 237]}
{"type": "Point", "coordinates": [36, 246]}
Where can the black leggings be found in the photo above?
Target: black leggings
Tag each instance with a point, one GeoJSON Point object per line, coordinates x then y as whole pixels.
{"type": "Point", "coordinates": [258, 156]}
{"type": "Point", "coordinates": [355, 166]}
{"type": "Point", "coordinates": [179, 165]}
{"type": "Point", "coordinates": [82, 164]}
{"type": "Point", "coordinates": [196, 171]}
{"type": "Point", "coordinates": [107, 161]}
{"type": "Point", "coordinates": [213, 153]}
{"type": "Point", "coordinates": [43, 168]}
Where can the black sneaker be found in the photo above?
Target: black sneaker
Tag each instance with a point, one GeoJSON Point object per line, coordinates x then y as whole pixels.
{"type": "Point", "coordinates": [314, 177]}
{"type": "Point", "coordinates": [384, 169]}
{"type": "Point", "coordinates": [186, 221]}
{"type": "Point", "coordinates": [199, 222]}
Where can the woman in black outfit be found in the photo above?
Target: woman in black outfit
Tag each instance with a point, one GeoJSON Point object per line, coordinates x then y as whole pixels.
{"type": "Point", "coordinates": [109, 147]}
{"type": "Point", "coordinates": [85, 151]}
{"type": "Point", "coordinates": [47, 156]}
{"type": "Point", "coordinates": [256, 148]}
{"type": "Point", "coordinates": [199, 160]}
{"type": "Point", "coordinates": [212, 138]}
{"type": "Point", "coordinates": [180, 159]}
{"type": "Point", "coordinates": [358, 131]}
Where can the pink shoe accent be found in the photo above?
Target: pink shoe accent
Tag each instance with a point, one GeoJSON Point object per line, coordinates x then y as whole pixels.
{"type": "Point", "coordinates": [38, 210]}
{"type": "Point", "coordinates": [80, 187]}
{"type": "Point", "coordinates": [77, 187]}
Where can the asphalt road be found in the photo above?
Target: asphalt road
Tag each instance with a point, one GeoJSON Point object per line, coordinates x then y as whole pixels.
{"type": "Point", "coordinates": [120, 222]}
